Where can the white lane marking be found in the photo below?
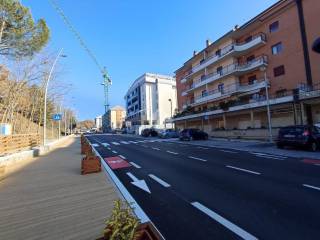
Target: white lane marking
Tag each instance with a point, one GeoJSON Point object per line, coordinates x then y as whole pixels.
{"type": "Point", "coordinates": [310, 186]}
{"type": "Point", "coordinates": [109, 148]}
{"type": "Point", "coordinates": [268, 155]}
{"type": "Point", "coordinates": [105, 144]}
{"type": "Point", "coordinates": [196, 158]}
{"type": "Point", "coordinates": [135, 165]}
{"type": "Point", "coordinates": [132, 142]}
{"type": "Point", "coordinates": [172, 152]}
{"type": "Point", "coordinates": [244, 170]}
{"type": "Point", "coordinates": [203, 148]}
{"type": "Point", "coordinates": [226, 223]}
{"type": "Point", "coordinates": [115, 143]}
{"type": "Point", "coordinates": [123, 157]}
{"type": "Point", "coordinates": [138, 183]}
{"type": "Point", "coordinates": [227, 151]}
{"type": "Point", "coordinates": [95, 144]}
{"type": "Point", "coordinates": [160, 181]}
{"type": "Point", "coordinates": [154, 148]}
{"type": "Point", "coordinates": [115, 152]}
{"type": "Point", "coordinates": [124, 142]}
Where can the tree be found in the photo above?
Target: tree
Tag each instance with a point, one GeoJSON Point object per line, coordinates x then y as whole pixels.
{"type": "Point", "coordinates": [20, 35]}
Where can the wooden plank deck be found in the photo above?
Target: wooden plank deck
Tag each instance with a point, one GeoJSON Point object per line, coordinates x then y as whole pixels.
{"type": "Point", "coordinates": [49, 199]}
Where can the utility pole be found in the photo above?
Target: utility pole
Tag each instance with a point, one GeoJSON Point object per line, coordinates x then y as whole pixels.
{"type": "Point", "coordinates": [65, 122]}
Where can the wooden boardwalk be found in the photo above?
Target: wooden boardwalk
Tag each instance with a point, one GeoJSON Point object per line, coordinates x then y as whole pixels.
{"type": "Point", "coordinates": [49, 199]}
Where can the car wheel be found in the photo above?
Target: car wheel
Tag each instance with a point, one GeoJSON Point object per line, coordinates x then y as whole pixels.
{"type": "Point", "coordinates": [313, 146]}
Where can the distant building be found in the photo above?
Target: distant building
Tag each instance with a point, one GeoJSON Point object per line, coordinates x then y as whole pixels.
{"type": "Point", "coordinates": [114, 118]}
{"type": "Point", "coordinates": [150, 100]}
{"type": "Point", "coordinates": [98, 122]}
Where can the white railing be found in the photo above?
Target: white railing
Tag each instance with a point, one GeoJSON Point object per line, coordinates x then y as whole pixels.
{"type": "Point", "coordinates": [228, 50]}
{"type": "Point", "coordinates": [229, 90]}
{"type": "Point", "coordinates": [235, 68]}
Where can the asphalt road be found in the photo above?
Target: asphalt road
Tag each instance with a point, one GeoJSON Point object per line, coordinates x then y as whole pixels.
{"type": "Point", "coordinates": [210, 193]}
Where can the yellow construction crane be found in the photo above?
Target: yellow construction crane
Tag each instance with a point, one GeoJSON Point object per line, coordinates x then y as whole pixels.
{"type": "Point", "coordinates": [106, 79]}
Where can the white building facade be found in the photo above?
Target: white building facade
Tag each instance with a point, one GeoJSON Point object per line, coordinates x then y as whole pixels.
{"type": "Point", "coordinates": [98, 122]}
{"type": "Point", "coordinates": [151, 99]}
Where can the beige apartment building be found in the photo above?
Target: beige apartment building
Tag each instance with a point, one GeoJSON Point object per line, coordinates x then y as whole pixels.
{"type": "Point", "coordinates": [264, 67]}
{"type": "Point", "coordinates": [114, 119]}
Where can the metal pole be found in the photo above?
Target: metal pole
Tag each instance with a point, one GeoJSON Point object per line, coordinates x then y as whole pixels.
{"type": "Point", "coordinates": [59, 126]}
{"type": "Point", "coordinates": [45, 98]}
{"type": "Point", "coordinates": [65, 122]}
{"type": "Point", "coordinates": [268, 107]}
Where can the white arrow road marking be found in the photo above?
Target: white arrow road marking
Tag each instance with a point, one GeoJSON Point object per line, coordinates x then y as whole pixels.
{"type": "Point", "coordinates": [227, 151]}
{"type": "Point", "coordinates": [172, 152]}
{"type": "Point", "coordinates": [243, 170]}
{"type": "Point", "coordinates": [232, 227]}
{"type": "Point", "coordinates": [105, 144]}
{"type": "Point", "coordinates": [154, 148]}
{"type": "Point", "coordinates": [160, 181]}
{"type": "Point", "coordinates": [124, 142]}
{"type": "Point", "coordinates": [310, 186]}
{"type": "Point", "coordinates": [123, 157]}
{"type": "Point", "coordinates": [200, 159]}
{"type": "Point", "coordinates": [138, 183]}
{"type": "Point", "coordinates": [135, 165]}
{"type": "Point", "coordinates": [115, 143]}
{"type": "Point", "coordinates": [115, 152]}
{"type": "Point", "coordinates": [95, 145]}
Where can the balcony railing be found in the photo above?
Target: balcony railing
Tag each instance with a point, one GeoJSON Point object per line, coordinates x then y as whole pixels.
{"type": "Point", "coordinates": [232, 49]}
{"type": "Point", "coordinates": [235, 69]}
{"type": "Point", "coordinates": [230, 90]}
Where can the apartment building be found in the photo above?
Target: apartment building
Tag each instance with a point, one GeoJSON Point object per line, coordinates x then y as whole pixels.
{"type": "Point", "coordinates": [98, 122]}
{"type": "Point", "coordinates": [265, 67]}
{"type": "Point", "coordinates": [114, 119]}
{"type": "Point", "coordinates": [150, 101]}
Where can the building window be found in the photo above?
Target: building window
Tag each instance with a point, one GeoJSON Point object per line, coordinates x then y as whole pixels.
{"type": "Point", "coordinates": [281, 93]}
{"type": "Point", "coordinates": [219, 70]}
{"type": "Point", "coordinates": [248, 39]}
{"type": "Point", "coordinates": [250, 58]}
{"type": "Point", "coordinates": [221, 87]}
{"type": "Point", "coordinates": [277, 48]}
{"type": "Point", "coordinates": [218, 52]}
{"type": "Point", "coordinates": [278, 71]}
{"type": "Point", "coordinates": [204, 93]}
{"type": "Point", "coordinates": [273, 27]}
{"type": "Point", "coordinates": [252, 79]}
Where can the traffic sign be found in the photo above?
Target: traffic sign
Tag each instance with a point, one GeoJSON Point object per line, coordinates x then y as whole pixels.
{"type": "Point", "coordinates": [57, 117]}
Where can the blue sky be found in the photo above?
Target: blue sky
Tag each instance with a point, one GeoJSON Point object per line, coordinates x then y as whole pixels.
{"type": "Point", "coordinates": [132, 37]}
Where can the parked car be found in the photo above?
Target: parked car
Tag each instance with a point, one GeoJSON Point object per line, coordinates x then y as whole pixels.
{"type": "Point", "coordinates": [193, 134]}
{"type": "Point", "coordinates": [168, 133]}
{"type": "Point", "coordinates": [149, 132]}
{"type": "Point", "coordinates": [299, 136]}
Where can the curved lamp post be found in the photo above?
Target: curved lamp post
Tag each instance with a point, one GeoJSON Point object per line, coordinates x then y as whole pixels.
{"type": "Point", "coordinates": [45, 97]}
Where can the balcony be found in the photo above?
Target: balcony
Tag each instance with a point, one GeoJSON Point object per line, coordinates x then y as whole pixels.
{"type": "Point", "coordinates": [232, 69]}
{"type": "Point", "coordinates": [230, 90]}
{"type": "Point", "coordinates": [234, 49]}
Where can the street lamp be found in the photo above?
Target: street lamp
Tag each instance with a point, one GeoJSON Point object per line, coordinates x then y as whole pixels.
{"type": "Point", "coordinates": [45, 96]}
{"type": "Point", "coordinates": [268, 102]}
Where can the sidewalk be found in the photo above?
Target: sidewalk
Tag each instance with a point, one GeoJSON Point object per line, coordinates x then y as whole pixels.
{"type": "Point", "coordinates": [49, 199]}
{"type": "Point", "coordinates": [254, 146]}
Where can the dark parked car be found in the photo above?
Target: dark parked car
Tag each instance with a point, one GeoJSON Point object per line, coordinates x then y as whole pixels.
{"type": "Point", "coordinates": [149, 132]}
{"type": "Point", "coordinates": [299, 136]}
{"type": "Point", "coordinates": [168, 133]}
{"type": "Point", "coordinates": [193, 134]}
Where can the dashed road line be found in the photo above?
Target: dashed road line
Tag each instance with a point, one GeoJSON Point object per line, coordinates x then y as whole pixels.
{"type": "Point", "coordinates": [115, 143]}
{"type": "Point", "coordinates": [172, 152]}
{"type": "Point", "coordinates": [115, 152]}
{"type": "Point", "coordinates": [226, 223]}
{"type": "Point", "coordinates": [154, 148]}
{"type": "Point", "coordinates": [135, 165]}
{"type": "Point", "coordinates": [95, 145]}
{"type": "Point", "coordinates": [243, 170]}
{"type": "Point", "coordinates": [105, 144]}
{"type": "Point", "coordinates": [159, 180]}
{"type": "Point", "coordinates": [123, 157]}
{"type": "Point", "coordinates": [199, 159]}
{"type": "Point", "coordinates": [124, 142]}
{"type": "Point", "coordinates": [227, 151]}
{"type": "Point", "coordinates": [271, 156]}
{"type": "Point", "coordinates": [310, 186]}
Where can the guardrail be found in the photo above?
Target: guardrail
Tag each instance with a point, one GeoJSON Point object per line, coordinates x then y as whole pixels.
{"type": "Point", "coordinates": [18, 142]}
